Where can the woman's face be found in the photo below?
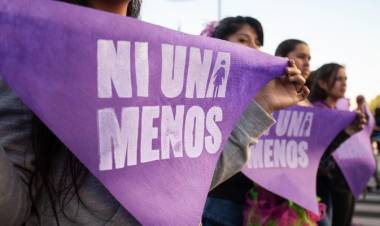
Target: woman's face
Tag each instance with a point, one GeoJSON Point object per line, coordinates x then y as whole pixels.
{"type": "Point", "coordinates": [340, 85]}
{"type": "Point", "coordinates": [245, 36]}
{"type": "Point", "coordinates": [301, 56]}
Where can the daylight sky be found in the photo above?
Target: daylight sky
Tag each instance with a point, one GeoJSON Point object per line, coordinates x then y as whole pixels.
{"type": "Point", "coordinates": [346, 32]}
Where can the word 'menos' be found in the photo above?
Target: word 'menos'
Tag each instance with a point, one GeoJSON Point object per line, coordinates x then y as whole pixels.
{"type": "Point", "coordinates": [141, 134]}
{"type": "Point", "coordinates": [288, 146]}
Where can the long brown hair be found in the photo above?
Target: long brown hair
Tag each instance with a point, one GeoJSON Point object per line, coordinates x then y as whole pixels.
{"type": "Point", "coordinates": [46, 146]}
{"type": "Point", "coordinates": [326, 73]}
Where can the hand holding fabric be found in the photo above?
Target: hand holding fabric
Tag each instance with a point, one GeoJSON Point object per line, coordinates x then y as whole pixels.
{"type": "Point", "coordinates": [283, 91]}
{"type": "Point", "coordinates": [357, 124]}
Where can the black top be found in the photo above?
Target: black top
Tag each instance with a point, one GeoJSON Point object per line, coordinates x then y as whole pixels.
{"type": "Point", "coordinates": [330, 177]}
{"type": "Point", "coordinates": [234, 189]}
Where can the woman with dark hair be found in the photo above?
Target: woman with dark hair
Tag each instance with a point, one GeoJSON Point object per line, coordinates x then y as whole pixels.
{"type": "Point", "coordinates": [298, 51]}
{"type": "Point", "coordinates": [243, 30]}
{"type": "Point", "coordinates": [226, 202]}
{"type": "Point", "coordinates": [329, 85]}
{"type": "Point", "coordinates": [46, 185]}
{"type": "Point", "coordinates": [42, 182]}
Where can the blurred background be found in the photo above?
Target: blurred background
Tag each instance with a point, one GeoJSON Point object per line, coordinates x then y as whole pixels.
{"type": "Point", "coordinates": [346, 32]}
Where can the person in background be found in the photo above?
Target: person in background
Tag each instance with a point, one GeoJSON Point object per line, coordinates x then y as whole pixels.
{"type": "Point", "coordinates": [299, 51]}
{"type": "Point", "coordinates": [375, 137]}
{"type": "Point", "coordinates": [329, 85]}
{"type": "Point", "coordinates": [226, 202]}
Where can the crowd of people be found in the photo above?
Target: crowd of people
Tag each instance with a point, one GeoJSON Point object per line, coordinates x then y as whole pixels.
{"type": "Point", "coordinates": [327, 85]}
{"type": "Point", "coordinates": [45, 184]}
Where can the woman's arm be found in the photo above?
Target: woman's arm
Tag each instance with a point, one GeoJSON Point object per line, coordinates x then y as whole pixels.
{"type": "Point", "coordinates": [338, 140]}
{"type": "Point", "coordinates": [236, 151]}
